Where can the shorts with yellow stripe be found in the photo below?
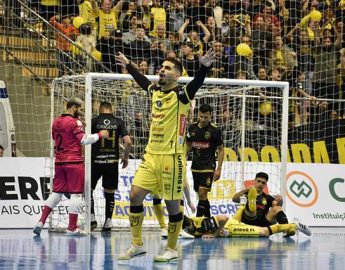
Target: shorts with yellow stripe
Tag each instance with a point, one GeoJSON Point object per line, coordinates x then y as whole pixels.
{"type": "Point", "coordinates": [239, 229]}
{"type": "Point", "coordinates": [163, 175]}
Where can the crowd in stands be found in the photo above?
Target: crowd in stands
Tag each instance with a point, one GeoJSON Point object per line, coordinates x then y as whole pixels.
{"type": "Point", "coordinates": [288, 43]}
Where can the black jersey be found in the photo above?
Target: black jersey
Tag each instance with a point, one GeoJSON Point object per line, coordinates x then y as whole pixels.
{"type": "Point", "coordinates": [106, 150]}
{"type": "Point", "coordinates": [263, 204]}
{"type": "Point", "coordinates": [205, 142]}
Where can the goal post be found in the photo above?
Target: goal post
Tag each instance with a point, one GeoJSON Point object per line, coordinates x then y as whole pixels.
{"type": "Point", "coordinates": [253, 116]}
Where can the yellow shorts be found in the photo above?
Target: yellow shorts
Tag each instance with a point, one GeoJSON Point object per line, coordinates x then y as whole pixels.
{"type": "Point", "coordinates": [163, 175]}
{"type": "Point", "coordinates": [239, 229]}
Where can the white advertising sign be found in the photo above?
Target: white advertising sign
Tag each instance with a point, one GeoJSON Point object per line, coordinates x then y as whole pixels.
{"type": "Point", "coordinates": [316, 193]}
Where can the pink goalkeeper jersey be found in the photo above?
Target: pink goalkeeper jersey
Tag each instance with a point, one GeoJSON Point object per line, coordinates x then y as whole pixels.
{"type": "Point", "coordinates": [67, 133]}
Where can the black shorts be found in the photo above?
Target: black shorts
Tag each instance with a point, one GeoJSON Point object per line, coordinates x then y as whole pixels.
{"type": "Point", "coordinates": [109, 174]}
{"type": "Point", "coordinates": [202, 179]}
{"type": "Point", "coordinates": [260, 221]}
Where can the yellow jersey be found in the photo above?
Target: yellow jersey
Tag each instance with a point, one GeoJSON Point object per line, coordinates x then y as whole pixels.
{"type": "Point", "coordinates": [169, 120]}
{"type": "Point", "coordinates": [107, 22]}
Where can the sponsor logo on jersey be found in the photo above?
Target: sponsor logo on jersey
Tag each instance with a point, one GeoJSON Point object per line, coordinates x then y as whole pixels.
{"type": "Point", "coordinates": [264, 202]}
{"type": "Point", "coordinates": [207, 135]}
{"type": "Point", "coordinates": [159, 103]}
{"type": "Point", "coordinates": [243, 229]}
{"type": "Point", "coordinates": [179, 173]}
{"type": "Point", "coordinates": [201, 145]}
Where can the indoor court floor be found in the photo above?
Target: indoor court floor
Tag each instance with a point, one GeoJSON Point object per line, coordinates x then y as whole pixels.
{"type": "Point", "coordinates": [325, 249]}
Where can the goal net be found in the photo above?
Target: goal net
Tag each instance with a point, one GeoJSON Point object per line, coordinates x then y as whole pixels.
{"type": "Point", "coordinates": [252, 116]}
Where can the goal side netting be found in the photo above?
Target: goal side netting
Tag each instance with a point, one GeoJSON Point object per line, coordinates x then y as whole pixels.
{"type": "Point", "coordinates": [253, 117]}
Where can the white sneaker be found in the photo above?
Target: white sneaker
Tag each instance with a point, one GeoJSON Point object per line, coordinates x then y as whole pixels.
{"type": "Point", "coordinates": [243, 200]}
{"type": "Point", "coordinates": [38, 228]}
{"type": "Point", "coordinates": [131, 252]}
{"type": "Point", "coordinates": [76, 232]}
{"type": "Point", "coordinates": [166, 255]}
{"type": "Point", "coordinates": [184, 235]}
{"type": "Point", "coordinates": [164, 233]}
{"type": "Point", "coordinates": [303, 228]}
{"type": "Point", "coordinates": [107, 225]}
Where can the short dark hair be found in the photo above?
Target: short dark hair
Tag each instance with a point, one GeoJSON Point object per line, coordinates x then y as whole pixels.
{"type": "Point", "coordinates": [106, 105]}
{"type": "Point", "coordinates": [204, 108]}
{"type": "Point", "coordinates": [74, 102]}
{"type": "Point", "coordinates": [262, 175]}
{"type": "Point", "coordinates": [177, 64]}
{"type": "Point", "coordinates": [1, 147]}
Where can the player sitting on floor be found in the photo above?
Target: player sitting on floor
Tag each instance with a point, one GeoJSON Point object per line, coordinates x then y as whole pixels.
{"type": "Point", "coordinates": [222, 226]}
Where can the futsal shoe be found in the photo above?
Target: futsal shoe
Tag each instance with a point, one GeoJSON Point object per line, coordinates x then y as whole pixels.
{"type": "Point", "coordinates": [107, 226]}
{"type": "Point", "coordinates": [38, 228]}
{"type": "Point", "coordinates": [76, 232]}
{"type": "Point", "coordinates": [184, 235]}
{"type": "Point", "coordinates": [303, 228]}
{"type": "Point", "coordinates": [131, 252]}
{"type": "Point", "coordinates": [164, 233]}
{"type": "Point", "coordinates": [166, 255]}
{"type": "Point", "coordinates": [252, 194]}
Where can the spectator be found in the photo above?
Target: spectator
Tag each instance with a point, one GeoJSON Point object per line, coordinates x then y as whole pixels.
{"type": "Point", "coordinates": [139, 48]}
{"type": "Point", "coordinates": [130, 36]}
{"type": "Point", "coordinates": [88, 41]}
{"type": "Point", "coordinates": [262, 42]}
{"type": "Point", "coordinates": [217, 11]}
{"type": "Point", "coordinates": [2, 150]}
{"type": "Point", "coordinates": [220, 68]}
{"type": "Point", "coordinates": [271, 21]}
{"type": "Point", "coordinates": [160, 36]}
{"type": "Point", "coordinates": [189, 60]}
{"type": "Point", "coordinates": [159, 16]}
{"type": "Point", "coordinates": [175, 16]}
{"type": "Point", "coordinates": [326, 59]}
{"type": "Point", "coordinates": [194, 37]}
{"type": "Point", "coordinates": [197, 12]}
{"type": "Point", "coordinates": [88, 11]}
{"type": "Point", "coordinates": [62, 44]}
{"type": "Point", "coordinates": [262, 74]}
{"type": "Point", "coordinates": [282, 57]}
{"type": "Point", "coordinates": [107, 17]}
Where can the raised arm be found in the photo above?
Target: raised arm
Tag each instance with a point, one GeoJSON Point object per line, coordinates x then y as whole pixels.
{"type": "Point", "coordinates": [140, 79]}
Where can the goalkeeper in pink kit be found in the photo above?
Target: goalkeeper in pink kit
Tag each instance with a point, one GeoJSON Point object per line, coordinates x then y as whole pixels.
{"type": "Point", "coordinates": [69, 136]}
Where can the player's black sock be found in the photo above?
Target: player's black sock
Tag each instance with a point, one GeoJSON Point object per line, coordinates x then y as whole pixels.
{"type": "Point", "coordinates": [109, 204]}
{"type": "Point", "coordinates": [92, 204]}
{"type": "Point", "coordinates": [203, 209]}
{"type": "Point", "coordinates": [282, 218]}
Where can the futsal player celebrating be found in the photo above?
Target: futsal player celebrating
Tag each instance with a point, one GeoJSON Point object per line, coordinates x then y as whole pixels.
{"type": "Point", "coordinates": [164, 164]}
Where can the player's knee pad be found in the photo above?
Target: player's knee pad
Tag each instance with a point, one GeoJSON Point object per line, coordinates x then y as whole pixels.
{"type": "Point", "coordinates": [76, 204]}
{"type": "Point", "coordinates": [53, 199]}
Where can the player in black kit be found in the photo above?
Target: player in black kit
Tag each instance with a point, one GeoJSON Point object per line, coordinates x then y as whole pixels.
{"type": "Point", "coordinates": [105, 159]}
{"type": "Point", "coordinates": [204, 139]}
{"type": "Point", "coordinates": [262, 209]}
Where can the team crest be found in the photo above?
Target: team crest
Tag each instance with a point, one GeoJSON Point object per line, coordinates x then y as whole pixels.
{"type": "Point", "coordinates": [264, 202]}
{"type": "Point", "coordinates": [207, 135]}
{"type": "Point", "coordinates": [167, 188]}
{"type": "Point", "coordinates": [159, 103]}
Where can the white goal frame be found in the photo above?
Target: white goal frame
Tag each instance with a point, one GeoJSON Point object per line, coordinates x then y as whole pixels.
{"type": "Point", "coordinates": [89, 77]}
